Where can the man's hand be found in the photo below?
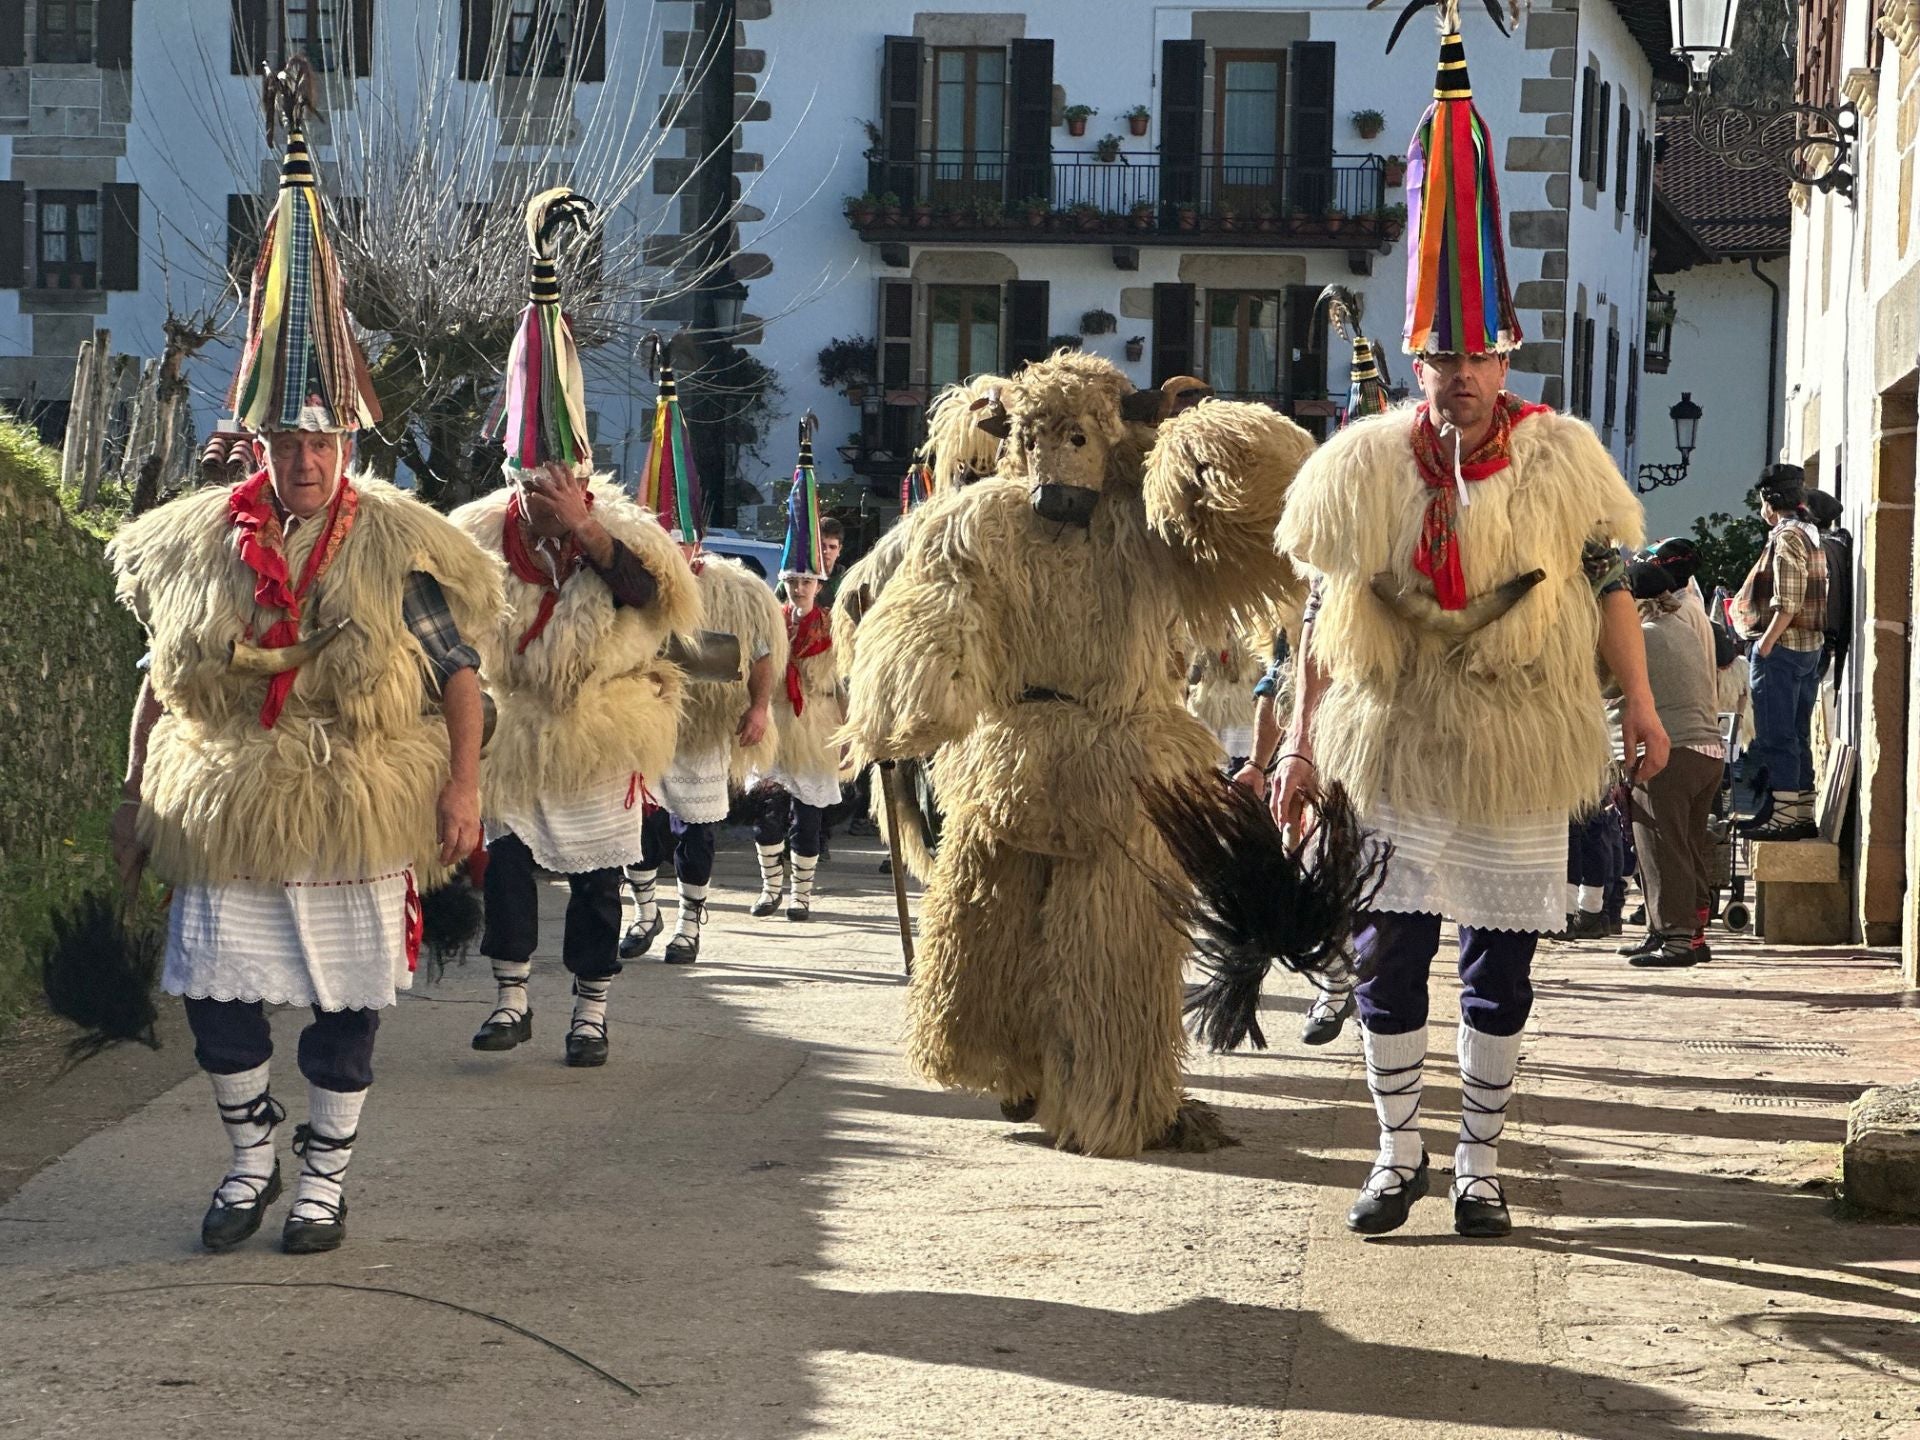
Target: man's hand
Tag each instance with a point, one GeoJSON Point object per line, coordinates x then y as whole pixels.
{"type": "Point", "coordinates": [556, 502]}
{"type": "Point", "coordinates": [1296, 786]}
{"type": "Point", "coordinates": [1643, 740]}
{"type": "Point", "coordinates": [129, 855]}
{"type": "Point", "coordinates": [1252, 777]}
{"type": "Point", "coordinates": [753, 725]}
{"type": "Point", "coordinates": [459, 819]}
{"type": "Point", "coordinates": [1765, 646]}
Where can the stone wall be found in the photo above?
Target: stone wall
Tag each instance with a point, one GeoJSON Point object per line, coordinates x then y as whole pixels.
{"type": "Point", "coordinates": [67, 683]}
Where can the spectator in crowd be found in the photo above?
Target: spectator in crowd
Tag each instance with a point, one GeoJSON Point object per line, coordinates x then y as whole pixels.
{"type": "Point", "coordinates": [1782, 608]}
{"type": "Point", "coordinates": [1837, 546]}
{"type": "Point", "coordinates": [1670, 811]}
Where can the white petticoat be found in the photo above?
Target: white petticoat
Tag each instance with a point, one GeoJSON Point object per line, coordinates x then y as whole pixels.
{"type": "Point", "coordinates": [695, 787]}
{"type": "Point", "coordinates": [1494, 877]}
{"type": "Point", "coordinates": [578, 833]}
{"type": "Point", "coordinates": [338, 944]}
{"type": "Point", "coordinates": [822, 790]}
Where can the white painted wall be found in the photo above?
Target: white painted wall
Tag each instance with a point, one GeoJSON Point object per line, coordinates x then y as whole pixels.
{"type": "Point", "coordinates": [1723, 315]}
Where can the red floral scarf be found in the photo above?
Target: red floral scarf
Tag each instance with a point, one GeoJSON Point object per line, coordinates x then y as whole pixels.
{"type": "Point", "coordinates": [529, 570]}
{"type": "Point", "coordinates": [252, 513]}
{"type": "Point", "coordinates": [1437, 555]}
{"type": "Point", "coordinates": [807, 635]}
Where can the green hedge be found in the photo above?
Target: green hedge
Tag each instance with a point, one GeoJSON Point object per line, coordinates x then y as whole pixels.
{"type": "Point", "coordinates": [67, 684]}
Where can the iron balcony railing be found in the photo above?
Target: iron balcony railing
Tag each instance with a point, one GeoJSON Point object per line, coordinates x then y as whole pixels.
{"type": "Point", "coordinates": [1332, 199]}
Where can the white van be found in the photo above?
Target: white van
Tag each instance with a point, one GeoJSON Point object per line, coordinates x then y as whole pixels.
{"type": "Point", "coordinates": [762, 557]}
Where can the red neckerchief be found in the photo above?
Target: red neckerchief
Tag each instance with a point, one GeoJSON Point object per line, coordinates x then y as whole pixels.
{"type": "Point", "coordinates": [262, 543]}
{"type": "Point", "coordinates": [1437, 556]}
{"type": "Point", "coordinates": [528, 570]}
{"type": "Point", "coordinates": [807, 636]}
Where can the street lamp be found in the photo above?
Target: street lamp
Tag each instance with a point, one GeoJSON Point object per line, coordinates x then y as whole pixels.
{"type": "Point", "coordinates": [1686, 433]}
{"type": "Point", "coordinates": [1808, 144]}
{"type": "Point", "coordinates": [729, 300]}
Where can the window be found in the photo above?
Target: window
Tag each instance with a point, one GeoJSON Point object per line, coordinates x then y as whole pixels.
{"type": "Point", "coordinates": [69, 240]}
{"type": "Point", "coordinates": [63, 32]}
{"type": "Point", "coordinates": [1248, 125]}
{"type": "Point", "coordinates": [963, 334]}
{"type": "Point", "coordinates": [969, 125]}
{"type": "Point", "coordinates": [1603, 116]}
{"type": "Point", "coordinates": [1620, 164]}
{"type": "Point", "coordinates": [1243, 342]}
{"type": "Point", "coordinates": [539, 37]}
{"type": "Point", "coordinates": [312, 30]}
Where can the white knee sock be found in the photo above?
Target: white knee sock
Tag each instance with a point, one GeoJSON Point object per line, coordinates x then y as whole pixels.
{"type": "Point", "coordinates": [1334, 990]}
{"type": "Point", "coordinates": [248, 1113]}
{"type": "Point", "coordinates": [1487, 1065]}
{"type": "Point", "coordinates": [325, 1147]}
{"type": "Point", "coordinates": [645, 894]}
{"type": "Point", "coordinates": [773, 877]}
{"type": "Point", "coordinates": [590, 1007]}
{"type": "Point", "coordinates": [693, 911]}
{"type": "Point", "coordinates": [803, 868]}
{"type": "Point", "coordinates": [511, 977]}
{"type": "Point", "coordinates": [1395, 1070]}
{"type": "Point", "coordinates": [1592, 899]}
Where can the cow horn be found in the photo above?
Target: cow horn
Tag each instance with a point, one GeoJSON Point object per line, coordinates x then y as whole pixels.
{"type": "Point", "coordinates": [248, 659]}
{"type": "Point", "coordinates": [1422, 610]}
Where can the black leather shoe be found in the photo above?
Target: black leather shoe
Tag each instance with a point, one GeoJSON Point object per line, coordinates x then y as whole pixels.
{"type": "Point", "coordinates": [503, 1030]}
{"type": "Point", "coordinates": [682, 950]}
{"type": "Point", "coordinates": [1020, 1111]}
{"type": "Point", "coordinates": [314, 1237]}
{"type": "Point", "coordinates": [1324, 1027]}
{"type": "Point", "coordinates": [800, 912]}
{"type": "Point", "coordinates": [225, 1226]}
{"type": "Point", "coordinates": [586, 1049]}
{"type": "Point", "coordinates": [639, 938]}
{"type": "Point", "coordinates": [1585, 925]}
{"type": "Point", "coordinates": [1482, 1216]}
{"type": "Point", "coordinates": [1672, 954]}
{"type": "Point", "coordinates": [1782, 831]}
{"type": "Point", "coordinates": [1648, 941]}
{"type": "Point", "coordinates": [1377, 1212]}
{"type": "Point", "coordinates": [764, 906]}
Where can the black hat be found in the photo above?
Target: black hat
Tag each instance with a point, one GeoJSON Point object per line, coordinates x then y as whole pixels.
{"type": "Point", "coordinates": [1679, 557]}
{"type": "Point", "coordinates": [1823, 508]}
{"type": "Point", "coordinates": [1648, 580]}
{"type": "Point", "coordinates": [1783, 486]}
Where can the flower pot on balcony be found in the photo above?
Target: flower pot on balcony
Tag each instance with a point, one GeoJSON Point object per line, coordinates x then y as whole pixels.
{"type": "Point", "coordinates": [1188, 217]}
{"type": "Point", "coordinates": [1396, 170]}
{"type": "Point", "coordinates": [923, 216]}
{"type": "Point", "coordinates": [1142, 217]}
{"type": "Point", "coordinates": [1136, 347]}
{"type": "Point", "coordinates": [1137, 125]}
{"type": "Point", "coordinates": [862, 216]}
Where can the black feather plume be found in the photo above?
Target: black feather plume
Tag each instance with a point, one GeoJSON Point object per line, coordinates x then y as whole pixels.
{"type": "Point", "coordinates": [451, 917]}
{"type": "Point", "coordinates": [1252, 899]}
{"type": "Point", "coordinates": [100, 974]}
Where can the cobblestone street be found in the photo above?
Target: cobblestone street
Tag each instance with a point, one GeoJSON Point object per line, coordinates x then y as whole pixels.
{"type": "Point", "coordinates": [756, 1223]}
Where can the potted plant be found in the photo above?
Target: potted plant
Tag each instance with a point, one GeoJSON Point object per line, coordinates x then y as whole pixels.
{"type": "Point", "coordinates": [1063, 342]}
{"type": "Point", "coordinates": [1107, 149]}
{"type": "Point", "coordinates": [1187, 215]}
{"type": "Point", "coordinates": [847, 365]}
{"type": "Point", "coordinates": [923, 215]}
{"type": "Point", "coordinates": [1302, 223]}
{"type": "Point", "coordinates": [889, 209]}
{"type": "Point", "coordinates": [1393, 221]}
{"type": "Point", "coordinates": [1336, 219]}
{"type": "Point", "coordinates": [989, 213]}
{"type": "Point", "coordinates": [1396, 169]}
{"type": "Point", "coordinates": [1098, 322]}
{"type": "Point", "coordinates": [1036, 209]}
{"type": "Point", "coordinates": [1076, 117]}
{"type": "Point", "coordinates": [1142, 214]}
{"type": "Point", "coordinates": [1226, 217]}
{"type": "Point", "coordinates": [1136, 347]}
{"type": "Point", "coordinates": [861, 210]}
{"type": "Point", "coordinates": [1369, 123]}
{"type": "Point", "coordinates": [1137, 119]}
{"type": "Point", "coordinates": [1087, 215]}
{"type": "Point", "coordinates": [1266, 219]}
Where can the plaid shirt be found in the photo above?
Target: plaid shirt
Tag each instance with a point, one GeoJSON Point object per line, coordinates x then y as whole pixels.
{"type": "Point", "coordinates": [1799, 586]}
{"type": "Point", "coordinates": [424, 606]}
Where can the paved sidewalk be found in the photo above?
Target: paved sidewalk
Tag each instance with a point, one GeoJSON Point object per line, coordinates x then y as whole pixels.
{"type": "Point", "coordinates": [756, 1223]}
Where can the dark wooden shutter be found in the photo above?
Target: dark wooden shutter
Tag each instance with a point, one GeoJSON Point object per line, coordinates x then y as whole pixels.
{"type": "Point", "coordinates": [1603, 120]}
{"type": "Point", "coordinates": [1031, 172]}
{"type": "Point", "coordinates": [1643, 188]}
{"type": "Point", "coordinates": [1620, 165]}
{"type": "Point", "coordinates": [1306, 318]}
{"type": "Point", "coordinates": [1610, 410]}
{"type": "Point", "coordinates": [113, 34]}
{"type": "Point", "coordinates": [13, 34]}
{"type": "Point", "coordinates": [476, 38]}
{"type": "Point", "coordinates": [247, 42]}
{"type": "Point", "coordinates": [1028, 318]}
{"type": "Point", "coordinates": [1586, 367]}
{"type": "Point", "coordinates": [590, 39]}
{"type": "Point", "coordinates": [1633, 393]}
{"type": "Point", "coordinates": [1310, 133]}
{"type": "Point", "coordinates": [900, 116]}
{"type": "Point", "coordinates": [13, 234]}
{"type": "Point", "coordinates": [1183, 78]}
{"type": "Point", "coordinates": [1589, 99]}
{"type": "Point", "coordinates": [898, 410]}
{"type": "Point", "coordinates": [119, 237]}
{"type": "Point", "coordinates": [1172, 327]}
{"type": "Point", "coordinates": [362, 21]}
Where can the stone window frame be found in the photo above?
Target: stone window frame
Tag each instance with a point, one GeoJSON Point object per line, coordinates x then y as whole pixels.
{"type": "Point", "coordinates": [78, 203]}
{"type": "Point", "coordinates": [536, 18]}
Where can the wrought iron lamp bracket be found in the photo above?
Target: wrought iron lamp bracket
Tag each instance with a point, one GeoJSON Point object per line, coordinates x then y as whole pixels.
{"type": "Point", "coordinates": [1807, 144]}
{"type": "Point", "coordinates": [1652, 477]}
